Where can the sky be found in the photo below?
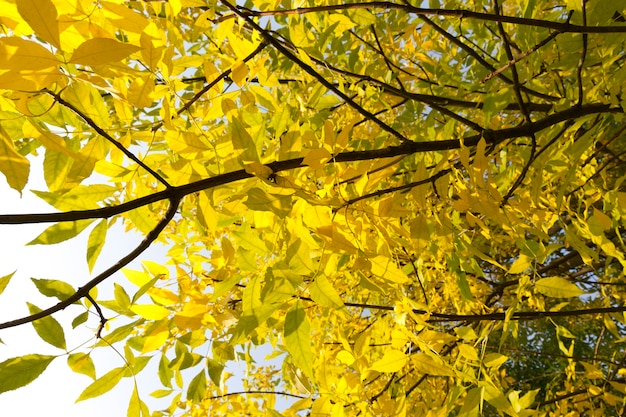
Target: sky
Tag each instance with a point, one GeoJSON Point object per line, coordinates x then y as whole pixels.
{"type": "Point", "coordinates": [54, 393]}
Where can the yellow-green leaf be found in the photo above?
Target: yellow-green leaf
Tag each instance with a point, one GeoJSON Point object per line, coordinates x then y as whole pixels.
{"type": "Point", "coordinates": [100, 51]}
{"type": "Point", "coordinates": [103, 384]}
{"type": "Point", "coordinates": [392, 361]}
{"type": "Point", "coordinates": [60, 232]}
{"type": "Point", "coordinates": [81, 363]}
{"type": "Point", "coordinates": [4, 281]}
{"type": "Point", "coordinates": [41, 16]}
{"type": "Point", "coordinates": [298, 338]}
{"type": "Point", "coordinates": [54, 288]}
{"type": "Point", "coordinates": [557, 288]}
{"type": "Point", "coordinates": [97, 237]}
{"type": "Point", "coordinates": [48, 328]}
{"type": "Point", "coordinates": [18, 372]}
{"type": "Point", "coordinates": [323, 293]}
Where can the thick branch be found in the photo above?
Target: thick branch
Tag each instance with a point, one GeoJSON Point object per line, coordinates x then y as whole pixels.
{"type": "Point", "coordinates": [408, 148]}
{"type": "Point", "coordinates": [563, 27]}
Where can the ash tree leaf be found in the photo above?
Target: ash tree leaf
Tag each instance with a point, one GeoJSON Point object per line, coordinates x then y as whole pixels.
{"type": "Point", "coordinates": [60, 232]}
{"type": "Point", "coordinates": [18, 372]}
{"type": "Point", "coordinates": [41, 16]}
{"type": "Point", "coordinates": [17, 54]}
{"type": "Point", "coordinates": [48, 328]}
{"type": "Point", "coordinates": [4, 281]}
{"type": "Point", "coordinates": [100, 51]}
{"type": "Point", "coordinates": [81, 363]}
{"type": "Point", "coordinates": [97, 237]}
{"type": "Point", "coordinates": [103, 384]}
{"type": "Point", "coordinates": [392, 361]}
{"type": "Point", "coordinates": [557, 288]}
{"type": "Point", "coordinates": [54, 288]}
{"type": "Point", "coordinates": [14, 166]}
{"type": "Point", "coordinates": [323, 293]}
{"type": "Point", "coordinates": [197, 387]}
{"type": "Point", "coordinates": [298, 338]}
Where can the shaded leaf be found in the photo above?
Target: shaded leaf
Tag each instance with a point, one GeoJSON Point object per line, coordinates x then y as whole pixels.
{"type": "Point", "coordinates": [48, 328]}
{"type": "Point", "coordinates": [298, 338]}
{"type": "Point", "coordinates": [18, 372]}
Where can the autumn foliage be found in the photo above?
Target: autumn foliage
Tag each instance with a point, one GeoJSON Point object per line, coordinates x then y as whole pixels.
{"type": "Point", "coordinates": [418, 207]}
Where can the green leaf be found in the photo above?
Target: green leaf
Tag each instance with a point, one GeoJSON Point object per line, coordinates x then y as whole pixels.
{"type": "Point", "coordinates": [82, 364]}
{"type": "Point", "coordinates": [48, 328]}
{"type": "Point", "coordinates": [121, 297]}
{"type": "Point", "coordinates": [557, 288]}
{"type": "Point", "coordinates": [197, 387]}
{"type": "Point", "coordinates": [215, 370]}
{"type": "Point", "coordinates": [54, 288]}
{"type": "Point", "coordinates": [60, 232]}
{"type": "Point", "coordinates": [18, 372]}
{"type": "Point", "coordinates": [4, 281]}
{"type": "Point", "coordinates": [80, 319]}
{"type": "Point", "coordinates": [103, 384]}
{"type": "Point", "coordinates": [97, 237]}
{"type": "Point", "coordinates": [298, 338]}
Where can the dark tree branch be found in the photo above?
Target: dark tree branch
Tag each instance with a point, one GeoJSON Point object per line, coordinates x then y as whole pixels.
{"type": "Point", "coordinates": [84, 290]}
{"type": "Point", "coordinates": [564, 27]}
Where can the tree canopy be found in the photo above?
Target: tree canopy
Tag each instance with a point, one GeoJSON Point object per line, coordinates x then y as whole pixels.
{"type": "Point", "coordinates": [418, 207]}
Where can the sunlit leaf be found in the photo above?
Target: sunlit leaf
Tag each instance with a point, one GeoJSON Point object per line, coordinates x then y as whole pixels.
{"type": "Point", "coordinates": [392, 361]}
{"type": "Point", "coordinates": [100, 51]}
{"type": "Point", "coordinates": [4, 281]}
{"type": "Point", "coordinates": [103, 384]}
{"type": "Point", "coordinates": [557, 287]}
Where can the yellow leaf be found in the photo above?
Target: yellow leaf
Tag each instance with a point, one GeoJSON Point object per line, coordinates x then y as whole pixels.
{"type": "Point", "coordinates": [317, 158]}
{"type": "Point", "coordinates": [239, 72]}
{"type": "Point", "coordinates": [259, 170]}
{"type": "Point", "coordinates": [140, 93]}
{"type": "Point", "coordinates": [150, 311]}
{"type": "Point", "coordinates": [557, 288]}
{"type": "Point", "coordinates": [41, 16]}
{"type": "Point", "coordinates": [100, 51]}
{"type": "Point", "coordinates": [392, 361]}
{"type": "Point", "coordinates": [14, 166]}
{"type": "Point", "coordinates": [19, 54]}
{"type": "Point", "coordinates": [298, 338]}
{"type": "Point", "coordinates": [520, 265]}
{"type": "Point", "coordinates": [386, 268]}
